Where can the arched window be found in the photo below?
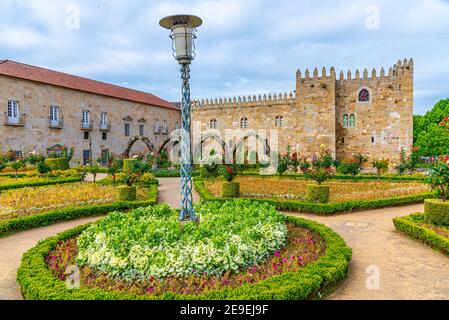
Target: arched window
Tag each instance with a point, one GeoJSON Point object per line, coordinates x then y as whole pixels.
{"type": "Point", "coordinates": [213, 124]}
{"type": "Point", "coordinates": [279, 121]}
{"type": "Point", "coordinates": [352, 121]}
{"type": "Point", "coordinates": [244, 123]}
{"type": "Point", "coordinates": [364, 95]}
{"type": "Point", "coordinates": [345, 121]}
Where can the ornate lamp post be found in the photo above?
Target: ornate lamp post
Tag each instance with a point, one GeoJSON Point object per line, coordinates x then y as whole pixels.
{"type": "Point", "coordinates": [182, 29]}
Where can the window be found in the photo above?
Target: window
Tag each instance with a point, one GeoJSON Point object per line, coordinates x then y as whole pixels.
{"type": "Point", "coordinates": [345, 121]}
{"type": "Point", "coordinates": [364, 95]}
{"type": "Point", "coordinates": [54, 114]}
{"type": "Point", "coordinates": [86, 156]}
{"type": "Point", "coordinates": [104, 135]}
{"type": "Point", "coordinates": [104, 157]}
{"type": "Point", "coordinates": [142, 130]}
{"type": "Point", "coordinates": [86, 135]}
{"type": "Point", "coordinates": [86, 117]}
{"type": "Point", "coordinates": [343, 140]}
{"type": "Point", "coordinates": [372, 139]}
{"type": "Point", "coordinates": [164, 127]}
{"type": "Point", "coordinates": [279, 122]}
{"type": "Point", "coordinates": [244, 123]}
{"type": "Point", "coordinates": [13, 111]}
{"type": "Point", "coordinates": [352, 121]}
{"type": "Point", "coordinates": [103, 118]}
{"type": "Point", "coordinates": [17, 154]}
{"type": "Point", "coordinates": [213, 124]}
{"type": "Point", "coordinates": [177, 125]}
{"type": "Point", "coordinates": [127, 129]}
{"type": "Point", "coordinates": [157, 126]}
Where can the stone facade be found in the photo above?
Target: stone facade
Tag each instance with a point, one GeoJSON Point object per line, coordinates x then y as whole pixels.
{"type": "Point", "coordinates": [35, 134]}
{"type": "Point", "coordinates": [369, 114]}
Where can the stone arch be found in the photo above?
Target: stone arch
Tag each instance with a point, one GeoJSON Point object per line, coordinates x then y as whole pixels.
{"type": "Point", "coordinates": [244, 139]}
{"type": "Point", "coordinates": [131, 143]}
{"type": "Point", "coordinates": [198, 150]}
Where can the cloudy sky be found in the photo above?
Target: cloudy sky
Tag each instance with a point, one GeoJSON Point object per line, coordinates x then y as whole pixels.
{"type": "Point", "coordinates": [244, 46]}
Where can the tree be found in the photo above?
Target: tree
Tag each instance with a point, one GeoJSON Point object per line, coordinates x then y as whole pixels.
{"type": "Point", "coordinates": [434, 141]}
{"type": "Point", "coordinates": [439, 178]}
{"type": "Point", "coordinates": [16, 165]}
{"type": "Point", "coordinates": [93, 169]}
{"type": "Point", "coordinates": [42, 168]}
{"type": "Point", "coordinates": [381, 167]}
{"type": "Point", "coordinates": [428, 135]}
{"type": "Point", "coordinates": [114, 168]}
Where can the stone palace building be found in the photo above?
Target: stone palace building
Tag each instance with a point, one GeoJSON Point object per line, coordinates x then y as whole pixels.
{"type": "Point", "coordinates": [44, 109]}
{"type": "Point", "coordinates": [368, 113]}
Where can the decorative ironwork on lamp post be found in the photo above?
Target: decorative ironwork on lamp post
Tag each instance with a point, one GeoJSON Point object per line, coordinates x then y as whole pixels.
{"type": "Point", "coordinates": [182, 29]}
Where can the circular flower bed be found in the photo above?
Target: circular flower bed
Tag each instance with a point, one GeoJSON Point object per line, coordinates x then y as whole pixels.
{"type": "Point", "coordinates": [150, 242]}
{"type": "Point", "coordinates": [240, 250]}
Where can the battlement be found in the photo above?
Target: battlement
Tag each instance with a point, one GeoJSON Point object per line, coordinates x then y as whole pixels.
{"type": "Point", "coordinates": [400, 68]}
{"type": "Point", "coordinates": [244, 101]}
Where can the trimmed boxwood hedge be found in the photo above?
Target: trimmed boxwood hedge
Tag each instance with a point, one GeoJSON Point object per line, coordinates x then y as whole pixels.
{"type": "Point", "coordinates": [362, 177]}
{"type": "Point", "coordinates": [322, 208]}
{"type": "Point", "coordinates": [41, 183]}
{"type": "Point", "coordinates": [127, 193]}
{"type": "Point", "coordinates": [314, 281]}
{"type": "Point", "coordinates": [409, 226]}
{"type": "Point", "coordinates": [437, 211]}
{"type": "Point", "coordinates": [57, 163]}
{"type": "Point", "coordinates": [318, 193]}
{"type": "Point", "coordinates": [230, 190]}
{"type": "Point", "coordinates": [47, 218]}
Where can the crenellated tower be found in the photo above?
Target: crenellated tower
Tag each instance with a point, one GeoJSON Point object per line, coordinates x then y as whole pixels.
{"type": "Point", "coordinates": [367, 112]}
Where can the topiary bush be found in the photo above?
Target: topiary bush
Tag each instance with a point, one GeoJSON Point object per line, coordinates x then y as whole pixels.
{"type": "Point", "coordinates": [126, 193]}
{"type": "Point", "coordinates": [230, 190]}
{"type": "Point", "coordinates": [437, 211]}
{"type": "Point", "coordinates": [57, 163]}
{"type": "Point", "coordinates": [317, 193]}
{"type": "Point", "coordinates": [128, 164]}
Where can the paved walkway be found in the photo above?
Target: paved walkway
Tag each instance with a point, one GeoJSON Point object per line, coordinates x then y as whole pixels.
{"type": "Point", "coordinates": [407, 268]}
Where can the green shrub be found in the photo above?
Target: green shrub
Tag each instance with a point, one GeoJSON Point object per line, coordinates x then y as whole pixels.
{"type": "Point", "coordinates": [412, 226]}
{"type": "Point", "coordinates": [351, 167]}
{"type": "Point", "coordinates": [57, 163]}
{"type": "Point", "coordinates": [147, 179]}
{"type": "Point", "coordinates": [47, 218]}
{"type": "Point", "coordinates": [437, 211]}
{"type": "Point", "coordinates": [39, 183]}
{"type": "Point", "coordinates": [230, 190]}
{"type": "Point", "coordinates": [323, 208]}
{"type": "Point", "coordinates": [126, 193]}
{"type": "Point", "coordinates": [42, 167]}
{"type": "Point", "coordinates": [128, 164]}
{"type": "Point", "coordinates": [315, 280]}
{"type": "Point", "coordinates": [317, 193]}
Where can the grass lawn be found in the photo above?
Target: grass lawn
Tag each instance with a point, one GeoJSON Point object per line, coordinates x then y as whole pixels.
{"type": "Point", "coordinates": [34, 200]}
{"type": "Point", "coordinates": [340, 191]}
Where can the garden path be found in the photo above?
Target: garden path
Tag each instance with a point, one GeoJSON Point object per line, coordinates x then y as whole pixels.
{"type": "Point", "coordinates": [408, 269]}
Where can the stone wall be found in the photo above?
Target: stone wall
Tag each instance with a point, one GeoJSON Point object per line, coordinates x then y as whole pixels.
{"type": "Point", "coordinates": [35, 100]}
{"type": "Point", "coordinates": [313, 116]}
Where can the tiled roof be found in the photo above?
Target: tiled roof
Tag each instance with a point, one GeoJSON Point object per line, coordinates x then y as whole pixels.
{"type": "Point", "coordinates": [23, 71]}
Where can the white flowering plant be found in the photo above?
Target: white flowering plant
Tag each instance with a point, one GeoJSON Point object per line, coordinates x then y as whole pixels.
{"type": "Point", "coordinates": [151, 242]}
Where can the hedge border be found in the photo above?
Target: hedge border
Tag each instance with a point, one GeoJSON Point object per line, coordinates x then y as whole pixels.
{"type": "Point", "coordinates": [314, 281]}
{"type": "Point", "coordinates": [318, 208]}
{"type": "Point", "coordinates": [361, 177]}
{"type": "Point", "coordinates": [44, 182]}
{"type": "Point", "coordinates": [70, 213]}
{"type": "Point", "coordinates": [418, 232]}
